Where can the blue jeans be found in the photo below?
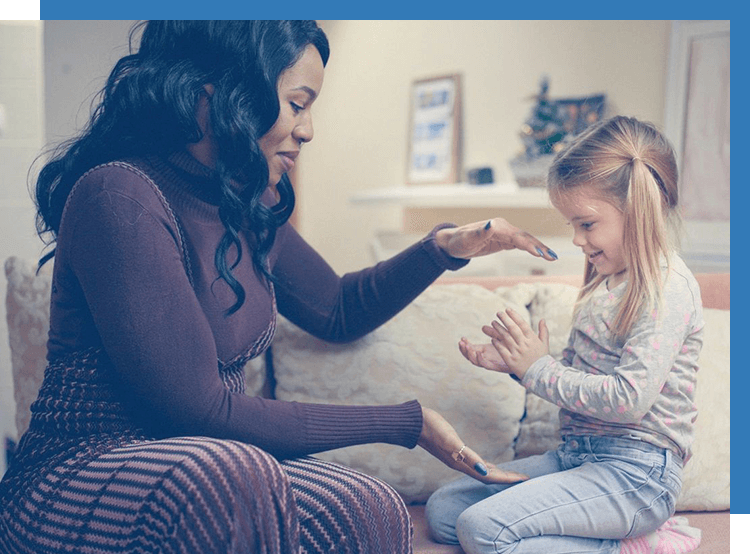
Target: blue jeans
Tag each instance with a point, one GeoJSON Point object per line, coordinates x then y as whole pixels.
{"type": "Point", "coordinates": [582, 497]}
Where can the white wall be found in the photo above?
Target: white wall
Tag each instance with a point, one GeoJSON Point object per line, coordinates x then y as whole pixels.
{"type": "Point", "coordinates": [78, 57]}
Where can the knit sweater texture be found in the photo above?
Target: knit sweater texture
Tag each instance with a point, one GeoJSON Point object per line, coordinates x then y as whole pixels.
{"type": "Point", "coordinates": [135, 277]}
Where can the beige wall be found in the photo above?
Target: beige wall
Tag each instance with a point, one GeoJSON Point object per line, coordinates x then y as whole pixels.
{"type": "Point", "coordinates": [361, 117]}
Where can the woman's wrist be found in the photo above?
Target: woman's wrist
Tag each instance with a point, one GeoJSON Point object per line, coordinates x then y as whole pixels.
{"type": "Point", "coordinates": [442, 238]}
{"type": "Point", "coordinates": [434, 243]}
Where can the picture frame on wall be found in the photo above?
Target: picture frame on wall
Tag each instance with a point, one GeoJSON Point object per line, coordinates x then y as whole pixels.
{"type": "Point", "coordinates": [435, 131]}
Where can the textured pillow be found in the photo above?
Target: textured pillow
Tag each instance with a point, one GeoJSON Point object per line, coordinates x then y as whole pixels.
{"type": "Point", "coordinates": [27, 310]}
{"type": "Point", "coordinates": [706, 479]}
{"type": "Point", "coordinates": [414, 355]}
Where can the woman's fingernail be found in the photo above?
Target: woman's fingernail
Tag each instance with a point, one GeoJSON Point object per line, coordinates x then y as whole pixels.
{"type": "Point", "coordinates": [540, 251]}
{"type": "Point", "coordinates": [481, 468]}
{"type": "Point", "coordinates": [551, 253]}
{"type": "Point", "coordinates": [489, 224]}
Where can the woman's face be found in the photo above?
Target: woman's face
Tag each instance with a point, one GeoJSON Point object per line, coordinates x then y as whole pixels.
{"type": "Point", "coordinates": [298, 88]}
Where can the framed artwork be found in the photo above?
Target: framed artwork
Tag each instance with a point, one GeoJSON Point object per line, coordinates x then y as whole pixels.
{"type": "Point", "coordinates": [435, 131]}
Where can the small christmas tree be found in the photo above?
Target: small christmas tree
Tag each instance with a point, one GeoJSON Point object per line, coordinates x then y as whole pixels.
{"type": "Point", "coordinates": [550, 127]}
{"type": "Point", "coordinates": [545, 128]}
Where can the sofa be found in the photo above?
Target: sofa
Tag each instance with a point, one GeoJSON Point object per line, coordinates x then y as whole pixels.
{"type": "Point", "coordinates": [415, 355]}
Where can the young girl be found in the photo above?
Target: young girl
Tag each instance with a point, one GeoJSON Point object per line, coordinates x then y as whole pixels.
{"type": "Point", "coordinates": [625, 384]}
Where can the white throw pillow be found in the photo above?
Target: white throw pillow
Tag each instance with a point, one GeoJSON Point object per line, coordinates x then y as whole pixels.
{"type": "Point", "coordinates": [27, 303]}
{"type": "Point", "coordinates": [705, 481]}
{"type": "Point", "coordinates": [414, 355]}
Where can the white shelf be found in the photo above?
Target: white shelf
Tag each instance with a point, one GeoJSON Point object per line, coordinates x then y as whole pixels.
{"type": "Point", "coordinates": [458, 195]}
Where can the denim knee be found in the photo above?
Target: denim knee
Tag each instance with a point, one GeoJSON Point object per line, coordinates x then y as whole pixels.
{"type": "Point", "coordinates": [440, 518]}
{"type": "Point", "coordinates": [478, 533]}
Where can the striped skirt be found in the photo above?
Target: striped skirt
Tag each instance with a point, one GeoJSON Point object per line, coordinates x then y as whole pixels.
{"type": "Point", "coordinates": [202, 495]}
{"type": "Point", "coordinates": [87, 480]}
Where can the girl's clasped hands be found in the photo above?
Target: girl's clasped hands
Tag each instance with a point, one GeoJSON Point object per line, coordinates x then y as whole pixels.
{"type": "Point", "coordinates": [514, 345]}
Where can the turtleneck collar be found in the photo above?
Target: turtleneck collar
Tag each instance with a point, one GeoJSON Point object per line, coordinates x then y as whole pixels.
{"type": "Point", "coordinates": [194, 186]}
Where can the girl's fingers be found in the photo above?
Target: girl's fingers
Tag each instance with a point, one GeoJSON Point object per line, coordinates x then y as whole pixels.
{"type": "Point", "coordinates": [502, 350]}
{"type": "Point", "coordinates": [472, 354]}
{"type": "Point", "coordinates": [516, 317]}
{"type": "Point", "coordinates": [491, 332]}
{"type": "Point", "coordinates": [467, 352]}
{"type": "Point", "coordinates": [499, 328]}
{"type": "Point", "coordinates": [543, 332]}
{"type": "Point", "coordinates": [513, 329]}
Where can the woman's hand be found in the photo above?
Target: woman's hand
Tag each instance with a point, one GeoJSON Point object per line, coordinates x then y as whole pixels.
{"type": "Point", "coordinates": [488, 237]}
{"type": "Point", "coordinates": [516, 343]}
{"type": "Point", "coordinates": [440, 439]}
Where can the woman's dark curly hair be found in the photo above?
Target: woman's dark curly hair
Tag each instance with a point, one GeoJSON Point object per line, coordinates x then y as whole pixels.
{"type": "Point", "coordinates": [148, 107]}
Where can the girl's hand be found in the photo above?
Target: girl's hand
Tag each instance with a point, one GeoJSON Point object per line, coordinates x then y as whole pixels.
{"type": "Point", "coordinates": [487, 237]}
{"type": "Point", "coordinates": [440, 439]}
{"type": "Point", "coordinates": [516, 342]}
{"type": "Point", "coordinates": [483, 355]}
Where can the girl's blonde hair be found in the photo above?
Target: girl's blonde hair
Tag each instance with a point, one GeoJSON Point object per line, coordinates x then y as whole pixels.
{"type": "Point", "coordinates": [633, 167]}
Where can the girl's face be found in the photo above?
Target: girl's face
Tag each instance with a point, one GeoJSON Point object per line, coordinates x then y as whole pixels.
{"type": "Point", "coordinates": [598, 229]}
{"type": "Point", "coordinates": [298, 88]}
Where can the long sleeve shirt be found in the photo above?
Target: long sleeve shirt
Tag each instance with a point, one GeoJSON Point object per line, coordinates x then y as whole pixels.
{"type": "Point", "coordinates": [640, 387]}
{"type": "Point", "coordinates": [120, 284]}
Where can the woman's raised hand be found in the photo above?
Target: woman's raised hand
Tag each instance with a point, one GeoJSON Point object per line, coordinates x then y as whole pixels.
{"type": "Point", "coordinates": [487, 237]}
{"type": "Point", "coordinates": [440, 439]}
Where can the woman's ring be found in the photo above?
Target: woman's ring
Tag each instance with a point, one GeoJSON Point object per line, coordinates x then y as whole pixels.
{"type": "Point", "coordinates": [458, 456]}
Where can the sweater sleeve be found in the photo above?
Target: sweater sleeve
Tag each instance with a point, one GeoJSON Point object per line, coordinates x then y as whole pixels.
{"type": "Point", "coordinates": [122, 250]}
{"type": "Point", "coordinates": [618, 384]}
{"type": "Point", "coordinates": [343, 309]}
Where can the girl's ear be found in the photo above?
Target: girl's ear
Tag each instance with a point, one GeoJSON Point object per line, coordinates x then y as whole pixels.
{"type": "Point", "coordinates": [209, 88]}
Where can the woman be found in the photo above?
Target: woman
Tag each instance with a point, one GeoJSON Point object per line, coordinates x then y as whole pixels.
{"type": "Point", "coordinates": [173, 256]}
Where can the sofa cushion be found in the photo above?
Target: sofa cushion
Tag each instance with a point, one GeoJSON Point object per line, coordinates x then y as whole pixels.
{"type": "Point", "coordinates": [705, 483]}
{"type": "Point", "coordinates": [414, 355]}
{"type": "Point", "coordinates": [27, 311]}
{"type": "Point", "coordinates": [706, 475]}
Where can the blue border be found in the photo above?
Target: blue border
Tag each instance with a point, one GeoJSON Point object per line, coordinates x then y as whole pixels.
{"type": "Point", "coordinates": [384, 9]}
{"type": "Point", "coordinates": [740, 448]}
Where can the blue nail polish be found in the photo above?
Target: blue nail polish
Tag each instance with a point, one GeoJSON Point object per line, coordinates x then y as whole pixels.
{"type": "Point", "coordinates": [551, 253]}
{"type": "Point", "coordinates": [540, 251]}
{"type": "Point", "coordinates": [489, 224]}
{"type": "Point", "coordinates": [481, 468]}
